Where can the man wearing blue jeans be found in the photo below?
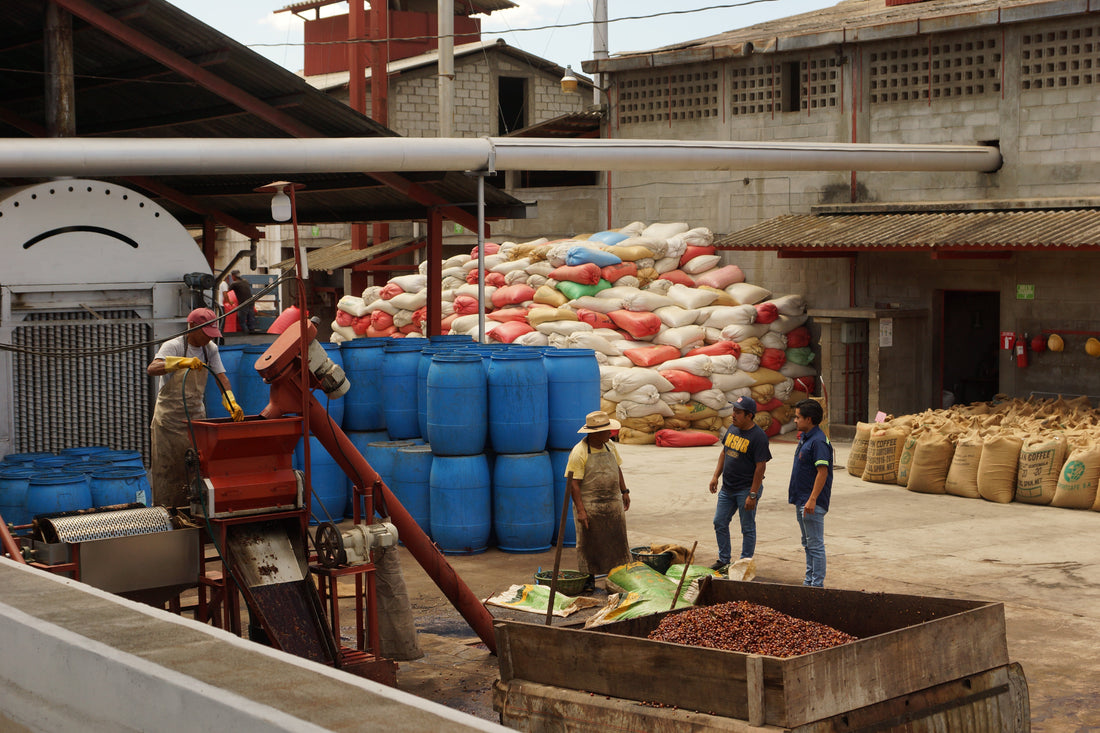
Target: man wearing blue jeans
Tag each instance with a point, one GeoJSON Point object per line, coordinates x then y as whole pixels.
{"type": "Point", "coordinates": [811, 486]}
{"type": "Point", "coordinates": [745, 454]}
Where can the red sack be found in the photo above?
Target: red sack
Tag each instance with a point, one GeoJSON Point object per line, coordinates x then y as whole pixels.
{"type": "Point", "coordinates": [611, 273]}
{"type": "Point", "coordinates": [381, 320]}
{"type": "Point", "coordinates": [496, 279]}
{"type": "Point", "coordinates": [465, 305]}
{"type": "Point", "coordinates": [805, 384]}
{"type": "Point", "coordinates": [508, 332]}
{"type": "Point", "coordinates": [679, 277]}
{"type": "Point", "coordinates": [694, 251]}
{"type": "Point", "coordinates": [595, 318]}
{"type": "Point", "coordinates": [686, 381]}
{"type": "Point", "coordinates": [491, 248]}
{"type": "Point", "coordinates": [773, 429]}
{"type": "Point", "coordinates": [647, 356]}
{"type": "Point", "coordinates": [509, 314]}
{"type": "Point", "coordinates": [718, 348]}
{"type": "Point", "coordinates": [798, 338]}
{"type": "Point", "coordinates": [768, 406]}
{"type": "Point", "coordinates": [668, 438]}
{"type": "Point", "coordinates": [409, 328]}
{"type": "Point", "coordinates": [773, 359]}
{"type": "Point", "coordinates": [343, 318]}
{"type": "Point", "coordinates": [766, 312]}
{"type": "Point", "coordinates": [360, 324]}
{"type": "Point", "coordinates": [586, 274]}
{"type": "Point", "coordinates": [390, 290]}
{"type": "Point", "coordinates": [639, 324]}
{"type": "Point", "coordinates": [420, 315]}
{"type": "Point", "coordinates": [512, 294]}
{"type": "Point", "coordinates": [378, 333]}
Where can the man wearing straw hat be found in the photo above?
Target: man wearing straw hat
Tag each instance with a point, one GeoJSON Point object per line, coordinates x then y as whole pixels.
{"type": "Point", "coordinates": [600, 498]}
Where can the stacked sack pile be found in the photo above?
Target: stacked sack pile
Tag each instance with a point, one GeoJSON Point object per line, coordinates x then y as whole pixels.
{"type": "Point", "coordinates": [1036, 451]}
{"type": "Point", "coordinates": [677, 335]}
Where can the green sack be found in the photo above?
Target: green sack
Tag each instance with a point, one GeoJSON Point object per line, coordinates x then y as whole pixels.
{"type": "Point", "coordinates": [803, 355]}
{"type": "Point", "coordinates": [576, 290]}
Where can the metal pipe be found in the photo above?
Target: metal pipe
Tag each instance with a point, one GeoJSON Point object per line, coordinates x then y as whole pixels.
{"type": "Point", "coordinates": [211, 156]}
{"type": "Point", "coordinates": [446, 77]}
{"type": "Point", "coordinates": [599, 44]}
{"type": "Point", "coordinates": [481, 259]}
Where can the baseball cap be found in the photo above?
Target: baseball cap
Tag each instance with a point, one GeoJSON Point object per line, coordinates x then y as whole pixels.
{"type": "Point", "coordinates": [748, 404]}
{"type": "Point", "coordinates": [205, 317]}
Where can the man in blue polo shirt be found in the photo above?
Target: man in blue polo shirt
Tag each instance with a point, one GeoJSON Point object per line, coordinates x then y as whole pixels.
{"type": "Point", "coordinates": [745, 454]}
{"type": "Point", "coordinates": [811, 485]}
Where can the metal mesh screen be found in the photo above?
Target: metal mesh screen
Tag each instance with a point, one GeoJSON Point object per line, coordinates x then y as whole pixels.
{"type": "Point", "coordinates": [94, 400]}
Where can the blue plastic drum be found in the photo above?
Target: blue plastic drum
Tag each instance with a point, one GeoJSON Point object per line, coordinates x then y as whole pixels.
{"type": "Point", "coordinates": [327, 479]}
{"type": "Point", "coordinates": [13, 493]}
{"type": "Point", "coordinates": [558, 461]}
{"type": "Point", "coordinates": [412, 469]}
{"type": "Point", "coordinates": [250, 389]}
{"type": "Point", "coordinates": [422, 366]}
{"type": "Point", "coordinates": [336, 406]}
{"type": "Point", "coordinates": [518, 402]}
{"type": "Point", "coordinates": [523, 502]}
{"type": "Point", "coordinates": [363, 367]}
{"type": "Point", "coordinates": [129, 458]}
{"type": "Point", "coordinates": [460, 499]}
{"type": "Point", "coordinates": [57, 492]}
{"type": "Point", "coordinates": [399, 395]}
{"type": "Point", "coordinates": [121, 485]}
{"type": "Point", "coordinates": [573, 387]}
{"type": "Point", "coordinates": [458, 409]}
{"type": "Point", "coordinates": [84, 452]}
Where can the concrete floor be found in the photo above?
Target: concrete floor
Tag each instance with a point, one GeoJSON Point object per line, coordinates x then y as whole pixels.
{"type": "Point", "coordinates": [1043, 563]}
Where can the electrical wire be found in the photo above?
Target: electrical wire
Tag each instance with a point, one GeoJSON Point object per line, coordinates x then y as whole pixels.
{"type": "Point", "coordinates": [80, 354]}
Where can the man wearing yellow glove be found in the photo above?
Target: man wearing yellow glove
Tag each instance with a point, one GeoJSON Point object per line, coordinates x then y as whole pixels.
{"type": "Point", "coordinates": [180, 365]}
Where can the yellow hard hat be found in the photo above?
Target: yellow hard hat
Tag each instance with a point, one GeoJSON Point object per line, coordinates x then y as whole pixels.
{"type": "Point", "coordinates": [1055, 342]}
{"type": "Point", "coordinates": [1092, 347]}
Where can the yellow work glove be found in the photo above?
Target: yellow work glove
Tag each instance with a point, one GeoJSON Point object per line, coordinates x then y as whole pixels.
{"type": "Point", "coordinates": [229, 402]}
{"type": "Point", "coordinates": [175, 363]}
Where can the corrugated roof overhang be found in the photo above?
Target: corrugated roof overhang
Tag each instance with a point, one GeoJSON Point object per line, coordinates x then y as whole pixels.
{"type": "Point", "coordinates": [339, 255]}
{"type": "Point", "coordinates": [987, 232]}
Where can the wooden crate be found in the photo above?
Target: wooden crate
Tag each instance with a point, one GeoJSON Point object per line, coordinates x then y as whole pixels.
{"type": "Point", "coordinates": [906, 644]}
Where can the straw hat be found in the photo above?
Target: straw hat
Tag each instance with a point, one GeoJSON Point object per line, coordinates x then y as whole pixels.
{"type": "Point", "coordinates": [597, 422]}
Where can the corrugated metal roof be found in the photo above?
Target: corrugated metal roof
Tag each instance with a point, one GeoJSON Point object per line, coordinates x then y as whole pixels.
{"type": "Point", "coordinates": [846, 22]}
{"type": "Point", "coordinates": [462, 7]}
{"type": "Point", "coordinates": [336, 256]}
{"type": "Point", "coordinates": [971, 231]}
{"type": "Point", "coordinates": [574, 124]}
{"type": "Point", "coordinates": [122, 91]}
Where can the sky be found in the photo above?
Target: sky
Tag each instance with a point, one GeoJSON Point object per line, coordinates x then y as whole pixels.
{"type": "Point", "coordinates": [279, 36]}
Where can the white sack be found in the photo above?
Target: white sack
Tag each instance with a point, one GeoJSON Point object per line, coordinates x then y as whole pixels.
{"type": "Point", "coordinates": [674, 316]}
{"type": "Point", "coordinates": [786, 324]}
{"type": "Point", "coordinates": [353, 305]}
{"type": "Point", "coordinates": [728, 315]}
{"type": "Point", "coordinates": [662, 230]}
{"type": "Point", "coordinates": [633, 379]}
{"type": "Point", "coordinates": [686, 297]}
{"type": "Point", "coordinates": [647, 394]}
{"type": "Point", "coordinates": [410, 283]}
{"type": "Point", "coordinates": [723, 364]}
{"type": "Point", "coordinates": [644, 301]}
{"type": "Point", "coordinates": [789, 305]}
{"type": "Point", "coordinates": [667, 264]}
{"type": "Point", "coordinates": [794, 370]}
{"type": "Point", "coordinates": [628, 409]}
{"type": "Point", "coordinates": [372, 293]}
{"type": "Point", "coordinates": [563, 328]}
{"type": "Point", "coordinates": [748, 362]}
{"type": "Point", "coordinates": [410, 301]}
{"type": "Point", "coordinates": [683, 338]}
{"type": "Point", "coordinates": [712, 398]}
{"type": "Point", "coordinates": [738, 332]}
{"type": "Point", "coordinates": [699, 365]}
{"type": "Point", "coordinates": [748, 294]}
{"type": "Point", "coordinates": [727, 382]}
{"type": "Point", "coordinates": [700, 264]}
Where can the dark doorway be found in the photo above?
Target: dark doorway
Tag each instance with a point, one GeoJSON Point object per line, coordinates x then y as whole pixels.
{"type": "Point", "coordinates": [971, 323]}
{"type": "Point", "coordinates": [512, 101]}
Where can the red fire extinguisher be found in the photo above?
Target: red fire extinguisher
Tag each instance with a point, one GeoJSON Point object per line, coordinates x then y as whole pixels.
{"type": "Point", "coordinates": [1021, 351]}
{"type": "Point", "coordinates": [1008, 340]}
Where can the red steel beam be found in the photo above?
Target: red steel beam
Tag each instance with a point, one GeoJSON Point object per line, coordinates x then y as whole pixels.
{"type": "Point", "coordinates": [232, 93]}
{"type": "Point", "coordinates": [435, 272]}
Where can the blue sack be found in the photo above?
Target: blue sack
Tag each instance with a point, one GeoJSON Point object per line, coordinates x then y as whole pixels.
{"type": "Point", "coordinates": [608, 238]}
{"type": "Point", "coordinates": [580, 255]}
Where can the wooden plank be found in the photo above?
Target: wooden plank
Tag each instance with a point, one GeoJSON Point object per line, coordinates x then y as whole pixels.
{"type": "Point", "coordinates": [754, 674]}
{"type": "Point", "coordinates": [693, 678]}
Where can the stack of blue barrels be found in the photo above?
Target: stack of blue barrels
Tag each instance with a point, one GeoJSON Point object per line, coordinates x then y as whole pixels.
{"type": "Point", "coordinates": [499, 421]}
{"type": "Point", "coordinates": [78, 478]}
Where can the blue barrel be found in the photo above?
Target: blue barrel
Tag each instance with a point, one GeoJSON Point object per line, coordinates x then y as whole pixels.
{"type": "Point", "coordinates": [399, 396]}
{"type": "Point", "coordinates": [250, 389]}
{"type": "Point", "coordinates": [363, 367]}
{"type": "Point", "coordinates": [92, 465]}
{"type": "Point", "coordinates": [50, 463]}
{"type": "Point", "coordinates": [412, 469]}
{"type": "Point", "coordinates": [518, 402]}
{"type": "Point", "coordinates": [523, 501]}
{"type": "Point", "coordinates": [422, 366]}
{"type": "Point", "coordinates": [381, 454]}
{"type": "Point", "coordinates": [336, 406]}
{"type": "Point", "coordinates": [129, 458]}
{"type": "Point", "coordinates": [460, 498]}
{"type": "Point", "coordinates": [361, 439]}
{"type": "Point", "coordinates": [121, 485]}
{"type": "Point", "coordinates": [57, 492]}
{"type": "Point", "coordinates": [231, 360]}
{"type": "Point", "coordinates": [13, 493]}
{"type": "Point", "coordinates": [558, 461]}
{"type": "Point", "coordinates": [25, 458]}
{"type": "Point", "coordinates": [458, 409]}
{"type": "Point", "coordinates": [573, 387]}
{"type": "Point", "coordinates": [84, 452]}
{"type": "Point", "coordinates": [451, 339]}
{"type": "Point", "coordinates": [327, 479]}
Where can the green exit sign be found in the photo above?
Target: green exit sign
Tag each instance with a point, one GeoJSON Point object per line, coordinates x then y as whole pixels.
{"type": "Point", "coordinates": [1025, 292]}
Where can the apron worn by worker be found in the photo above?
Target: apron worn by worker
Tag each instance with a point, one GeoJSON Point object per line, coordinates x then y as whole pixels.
{"type": "Point", "coordinates": [603, 545]}
{"type": "Point", "coordinates": [171, 438]}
